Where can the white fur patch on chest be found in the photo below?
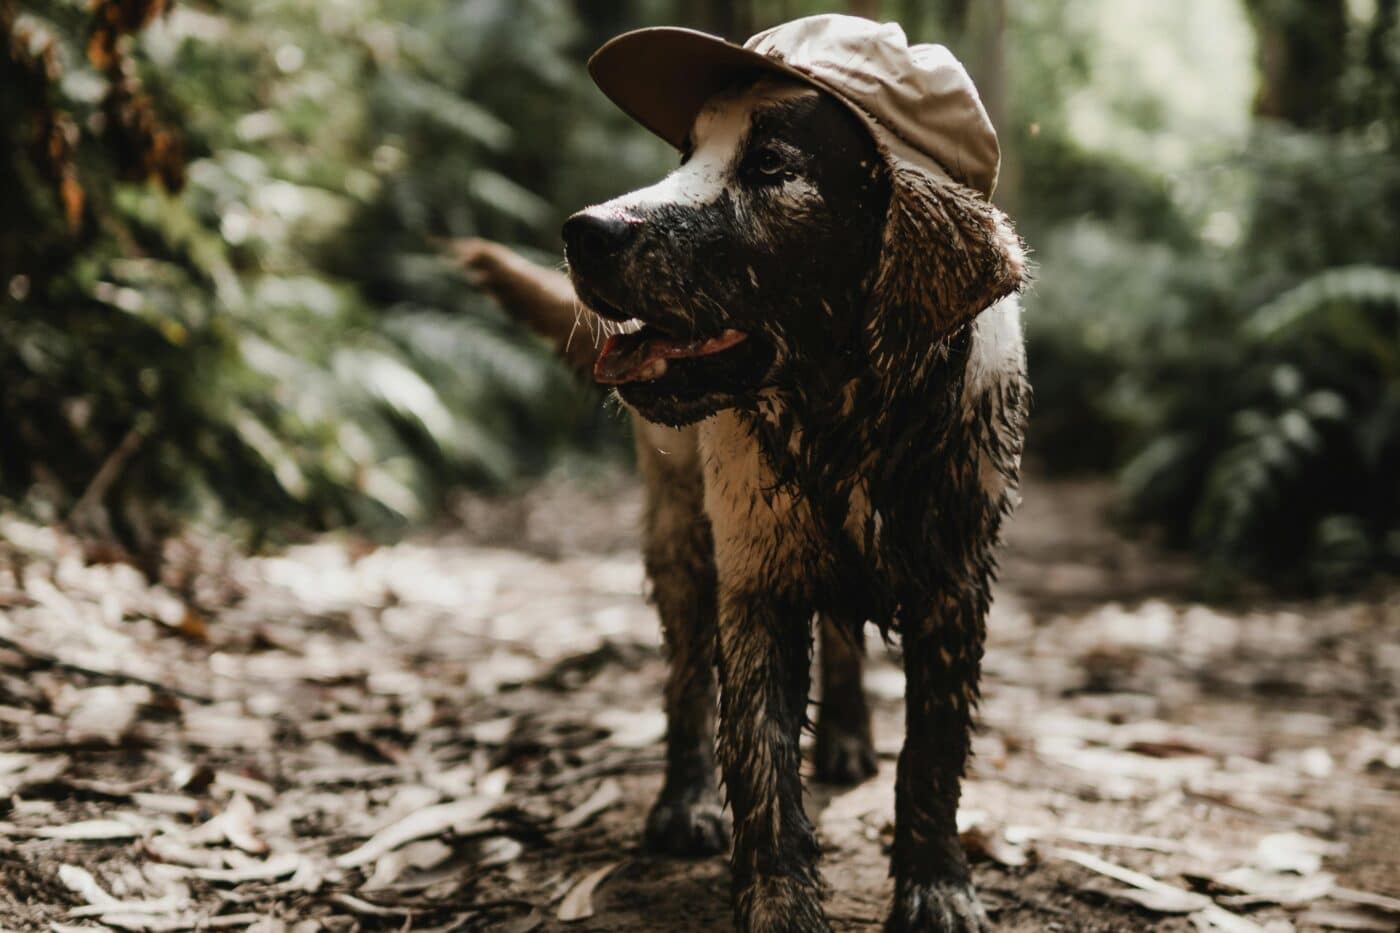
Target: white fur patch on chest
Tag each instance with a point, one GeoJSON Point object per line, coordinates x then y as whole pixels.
{"type": "Point", "coordinates": [998, 349]}
{"type": "Point", "coordinates": [758, 532]}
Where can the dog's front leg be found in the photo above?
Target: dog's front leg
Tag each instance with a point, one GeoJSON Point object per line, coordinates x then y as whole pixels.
{"type": "Point", "coordinates": [933, 885]}
{"type": "Point", "coordinates": [765, 650]}
{"type": "Point", "coordinates": [687, 818]}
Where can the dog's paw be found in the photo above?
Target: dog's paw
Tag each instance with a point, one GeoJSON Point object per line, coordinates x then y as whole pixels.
{"type": "Point", "coordinates": [843, 756]}
{"type": "Point", "coordinates": [946, 907]}
{"type": "Point", "coordinates": [688, 825]}
{"type": "Point", "coordinates": [780, 904]}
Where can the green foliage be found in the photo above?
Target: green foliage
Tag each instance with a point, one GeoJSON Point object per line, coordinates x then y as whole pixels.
{"type": "Point", "coordinates": [1249, 391]}
{"type": "Point", "coordinates": [1216, 315]}
{"type": "Point", "coordinates": [1294, 467]}
{"type": "Point", "coordinates": [277, 340]}
{"type": "Point", "coordinates": [224, 291]}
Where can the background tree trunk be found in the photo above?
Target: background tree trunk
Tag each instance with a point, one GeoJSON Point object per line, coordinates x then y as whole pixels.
{"type": "Point", "coordinates": [601, 20]}
{"type": "Point", "coordinates": [1302, 53]}
{"type": "Point", "coordinates": [732, 19]}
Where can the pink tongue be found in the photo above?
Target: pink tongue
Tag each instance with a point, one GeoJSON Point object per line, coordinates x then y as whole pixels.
{"type": "Point", "coordinates": [625, 356]}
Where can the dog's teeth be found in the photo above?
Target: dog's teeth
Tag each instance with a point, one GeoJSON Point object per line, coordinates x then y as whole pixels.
{"type": "Point", "coordinates": [653, 370]}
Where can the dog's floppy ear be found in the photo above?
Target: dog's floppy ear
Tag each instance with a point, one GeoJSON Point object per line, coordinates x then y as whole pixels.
{"type": "Point", "coordinates": [948, 255]}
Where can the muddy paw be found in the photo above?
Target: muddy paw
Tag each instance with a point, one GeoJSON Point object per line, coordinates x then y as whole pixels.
{"type": "Point", "coordinates": [780, 904]}
{"type": "Point", "coordinates": [949, 907]}
{"type": "Point", "coordinates": [691, 825]}
{"type": "Point", "coordinates": [843, 756]}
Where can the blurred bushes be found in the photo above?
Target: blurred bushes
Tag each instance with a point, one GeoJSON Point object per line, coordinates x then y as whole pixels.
{"type": "Point", "coordinates": [223, 291]}
{"type": "Point", "coordinates": [223, 294]}
{"type": "Point", "coordinates": [1227, 336]}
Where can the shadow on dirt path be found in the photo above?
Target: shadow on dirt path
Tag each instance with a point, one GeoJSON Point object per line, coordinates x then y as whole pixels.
{"type": "Point", "coordinates": [463, 732]}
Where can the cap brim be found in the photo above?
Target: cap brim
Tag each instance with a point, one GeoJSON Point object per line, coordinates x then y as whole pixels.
{"type": "Point", "coordinates": [662, 77]}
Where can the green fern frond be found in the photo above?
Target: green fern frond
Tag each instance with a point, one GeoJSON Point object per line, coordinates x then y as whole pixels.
{"type": "Point", "coordinates": [1323, 294]}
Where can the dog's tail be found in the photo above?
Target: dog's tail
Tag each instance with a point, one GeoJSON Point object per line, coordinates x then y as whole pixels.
{"type": "Point", "coordinates": [541, 299]}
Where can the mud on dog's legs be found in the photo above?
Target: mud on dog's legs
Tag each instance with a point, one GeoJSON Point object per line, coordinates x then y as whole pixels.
{"type": "Point", "coordinates": [933, 885]}
{"type": "Point", "coordinates": [765, 656]}
{"type": "Point", "coordinates": [845, 750]}
{"type": "Point", "coordinates": [687, 818]}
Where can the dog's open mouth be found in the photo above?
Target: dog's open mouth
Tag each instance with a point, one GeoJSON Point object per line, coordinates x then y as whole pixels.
{"type": "Point", "coordinates": [670, 373]}
{"type": "Point", "coordinates": [646, 354]}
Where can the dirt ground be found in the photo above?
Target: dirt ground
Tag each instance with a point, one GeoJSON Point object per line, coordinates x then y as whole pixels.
{"type": "Point", "coordinates": [462, 731]}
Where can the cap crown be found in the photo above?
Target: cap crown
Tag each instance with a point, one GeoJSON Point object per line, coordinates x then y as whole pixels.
{"type": "Point", "coordinates": [918, 100]}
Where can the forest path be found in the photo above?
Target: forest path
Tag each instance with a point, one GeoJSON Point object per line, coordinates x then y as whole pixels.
{"type": "Point", "coordinates": [455, 731]}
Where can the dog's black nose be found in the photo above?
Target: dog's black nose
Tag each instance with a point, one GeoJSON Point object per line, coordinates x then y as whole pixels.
{"type": "Point", "coordinates": [589, 238]}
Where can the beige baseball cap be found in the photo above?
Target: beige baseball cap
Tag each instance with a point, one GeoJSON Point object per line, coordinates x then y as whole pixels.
{"type": "Point", "coordinates": [918, 101]}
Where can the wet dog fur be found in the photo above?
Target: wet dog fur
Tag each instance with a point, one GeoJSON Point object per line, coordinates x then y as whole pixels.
{"type": "Point", "coordinates": [850, 460]}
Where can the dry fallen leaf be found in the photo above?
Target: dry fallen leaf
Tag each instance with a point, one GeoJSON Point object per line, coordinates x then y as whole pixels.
{"type": "Point", "coordinates": [1367, 899]}
{"type": "Point", "coordinates": [424, 854]}
{"type": "Point", "coordinates": [99, 903]}
{"type": "Point", "coordinates": [104, 714]}
{"type": "Point", "coordinates": [176, 804]}
{"type": "Point", "coordinates": [236, 825]}
{"type": "Point", "coordinates": [276, 866]}
{"type": "Point", "coordinates": [187, 921]}
{"type": "Point", "coordinates": [457, 816]}
{"type": "Point", "coordinates": [1294, 852]}
{"type": "Point", "coordinates": [81, 830]}
{"type": "Point", "coordinates": [578, 903]}
{"type": "Point", "coordinates": [1163, 900]}
{"type": "Point", "coordinates": [173, 851]}
{"type": "Point", "coordinates": [1265, 887]}
{"type": "Point", "coordinates": [242, 784]}
{"type": "Point", "coordinates": [312, 872]}
{"type": "Point", "coordinates": [367, 909]}
{"type": "Point", "coordinates": [1094, 837]}
{"type": "Point", "coordinates": [986, 841]}
{"type": "Point", "coordinates": [155, 908]}
{"type": "Point", "coordinates": [24, 771]}
{"type": "Point", "coordinates": [225, 726]}
{"type": "Point", "coordinates": [607, 794]}
{"type": "Point", "coordinates": [498, 850]}
{"type": "Point", "coordinates": [493, 731]}
{"type": "Point", "coordinates": [628, 729]}
{"type": "Point", "coordinates": [1217, 918]}
{"type": "Point", "coordinates": [81, 882]}
{"type": "Point", "coordinates": [1160, 896]}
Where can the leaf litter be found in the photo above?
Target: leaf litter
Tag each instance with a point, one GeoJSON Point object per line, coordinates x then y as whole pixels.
{"type": "Point", "coordinates": [462, 731]}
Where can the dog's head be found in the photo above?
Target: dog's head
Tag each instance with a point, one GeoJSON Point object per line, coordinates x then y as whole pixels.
{"type": "Point", "coordinates": [783, 246]}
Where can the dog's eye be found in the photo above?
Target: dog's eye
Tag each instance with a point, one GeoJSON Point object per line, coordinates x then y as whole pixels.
{"type": "Point", "coordinates": [769, 166]}
{"type": "Point", "coordinates": [770, 162]}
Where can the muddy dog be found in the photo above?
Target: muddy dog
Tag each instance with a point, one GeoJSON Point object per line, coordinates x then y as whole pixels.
{"type": "Point", "coordinates": [823, 355]}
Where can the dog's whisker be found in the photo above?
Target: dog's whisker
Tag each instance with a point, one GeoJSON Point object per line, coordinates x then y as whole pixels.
{"type": "Point", "coordinates": [579, 311]}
